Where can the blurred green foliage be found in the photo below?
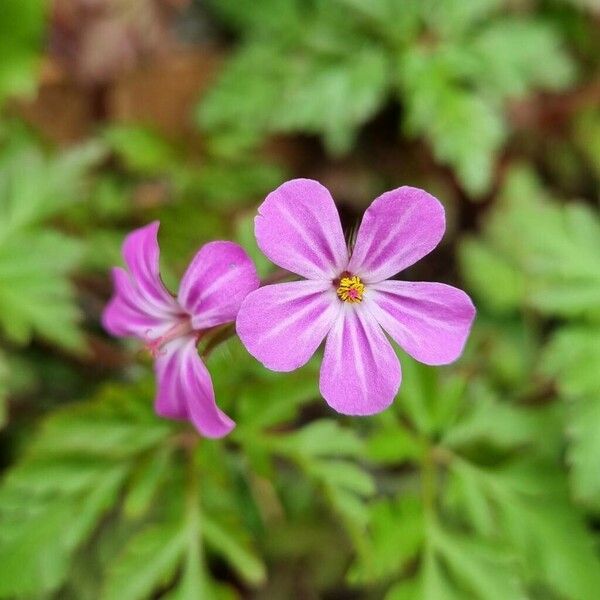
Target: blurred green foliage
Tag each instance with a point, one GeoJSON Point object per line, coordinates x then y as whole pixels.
{"type": "Point", "coordinates": [21, 35]}
{"type": "Point", "coordinates": [35, 295]}
{"type": "Point", "coordinates": [328, 67]}
{"type": "Point", "coordinates": [481, 481]}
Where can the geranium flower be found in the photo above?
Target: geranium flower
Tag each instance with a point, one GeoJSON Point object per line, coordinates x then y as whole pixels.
{"type": "Point", "coordinates": [347, 296]}
{"type": "Point", "coordinates": [211, 292]}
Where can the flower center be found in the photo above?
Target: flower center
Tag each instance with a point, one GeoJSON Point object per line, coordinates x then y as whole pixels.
{"type": "Point", "coordinates": [184, 327]}
{"type": "Point", "coordinates": [351, 289]}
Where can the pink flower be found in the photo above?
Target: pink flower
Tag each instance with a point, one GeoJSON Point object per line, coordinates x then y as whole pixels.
{"type": "Point", "coordinates": [348, 298]}
{"type": "Point", "coordinates": [212, 289]}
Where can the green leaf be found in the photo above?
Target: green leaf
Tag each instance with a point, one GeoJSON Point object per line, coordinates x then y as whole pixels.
{"type": "Point", "coordinates": [481, 568]}
{"type": "Point", "coordinates": [499, 423]}
{"type": "Point", "coordinates": [230, 543]}
{"type": "Point", "coordinates": [46, 476]}
{"type": "Point", "coordinates": [324, 68]}
{"type": "Point", "coordinates": [119, 423]}
{"type": "Point", "coordinates": [395, 536]}
{"type": "Point", "coordinates": [343, 474]}
{"type": "Point", "coordinates": [505, 350]}
{"type": "Point", "coordinates": [535, 518]}
{"type": "Point", "coordinates": [102, 250]}
{"type": "Point", "coordinates": [321, 438]}
{"type": "Point", "coordinates": [454, 17]}
{"type": "Point", "coordinates": [268, 402]}
{"type": "Point", "coordinates": [429, 397]}
{"type": "Point", "coordinates": [554, 249]}
{"type": "Point", "coordinates": [141, 149]}
{"type": "Point", "coordinates": [519, 54]}
{"type": "Point", "coordinates": [434, 583]}
{"type": "Point", "coordinates": [584, 449]}
{"type": "Point", "coordinates": [466, 495]}
{"type": "Point", "coordinates": [406, 590]}
{"type": "Point", "coordinates": [194, 582]}
{"type": "Point", "coordinates": [35, 295]}
{"type": "Point", "coordinates": [33, 187]}
{"type": "Point", "coordinates": [145, 482]}
{"type": "Point", "coordinates": [223, 184]}
{"type": "Point", "coordinates": [453, 89]}
{"type": "Point", "coordinates": [270, 88]}
{"type": "Point", "coordinates": [148, 560]}
{"type": "Point", "coordinates": [573, 356]}
{"type": "Point", "coordinates": [346, 486]}
{"type": "Point", "coordinates": [52, 499]}
{"type": "Point", "coordinates": [238, 102]}
{"type": "Point", "coordinates": [393, 443]}
{"type": "Point", "coordinates": [316, 449]}
{"type": "Point", "coordinates": [454, 567]}
{"type": "Point", "coordinates": [267, 17]}
{"type": "Point", "coordinates": [334, 96]}
{"type": "Point", "coordinates": [493, 278]}
{"type": "Point", "coordinates": [113, 453]}
{"type": "Point", "coordinates": [36, 298]}
{"type": "Point", "coordinates": [21, 37]}
{"type": "Point", "coordinates": [464, 128]}
{"type": "Point", "coordinates": [394, 21]}
{"type": "Point", "coordinates": [349, 506]}
{"type": "Point", "coordinates": [39, 538]}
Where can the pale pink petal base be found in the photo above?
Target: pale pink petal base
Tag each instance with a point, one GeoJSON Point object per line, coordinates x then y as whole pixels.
{"type": "Point", "coordinates": [282, 325]}
{"type": "Point", "coordinates": [185, 389]}
{"type": "Point", "coordinates": [398, 229]}
{"type": "Point", "coordinates": [219, 277]}
{"type": "Point", "coordinates": [430, 321]}
{"type": "Point", "coordinates": [299, 229]}
{"type": "Point", "coordinates": [360, 374]}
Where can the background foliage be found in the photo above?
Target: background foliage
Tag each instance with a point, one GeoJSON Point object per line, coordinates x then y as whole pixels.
{"type": "Point", "coordinates": [483, 479]}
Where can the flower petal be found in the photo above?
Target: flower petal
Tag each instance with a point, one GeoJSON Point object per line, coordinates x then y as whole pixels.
{"type": "Point", "coordinates": [142, 254]}
{"type": "Point", "coordinates": [398, 229]}
{"type": "Point", "coordinates": [130, 313]}
{"type": "Point", "coordinates": [141, 305]}
{"type": "Point", "coordinates": [360, 374]}
{"type": "Point", "coordinates": [298, 228]}
{"type": "Point", "coordinates": [430, 321]}
{"type": "Point", "coordinates": [282, 325]}
{"type": "Point", "coordinates": [185, 389]}
{"type": "Point", "coordinates": [218, 279]}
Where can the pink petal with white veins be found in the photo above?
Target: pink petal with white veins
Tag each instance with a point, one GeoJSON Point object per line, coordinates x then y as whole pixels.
{"type": "Point", "coordinates": [142, 254]}
{"type": "Point", "coordinates": [185, 389]}
{"type": "Point", "coordinates": [218, 279]}
{"type": "Point", "coordinates": [430, 321]}
{"type": "Point", "coordinates": [360, 374]}
{"type": "Point", "coordinates": [282, 325]}
{"type": "Point", "coordinates": [130, 313]}
{"type": "Point", "coordinates": [299, 229]}
{"type": "Point", "coordinates": [398, 229]}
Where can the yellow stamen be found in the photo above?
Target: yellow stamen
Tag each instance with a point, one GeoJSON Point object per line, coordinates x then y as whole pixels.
{"type": "Point", "coordinates": [351, 289]}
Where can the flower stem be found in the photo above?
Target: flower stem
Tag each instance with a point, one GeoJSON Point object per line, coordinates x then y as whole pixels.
{"type": "Point", "coordinates": [220, 335]}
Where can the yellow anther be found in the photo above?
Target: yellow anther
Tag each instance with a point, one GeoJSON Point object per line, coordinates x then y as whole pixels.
{"type": "Point", "coordinates": [351, 289]}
